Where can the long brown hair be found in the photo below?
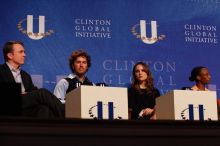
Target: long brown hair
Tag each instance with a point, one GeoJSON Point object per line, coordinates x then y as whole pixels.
{"type": "Point", "coordinates": [149, 80]}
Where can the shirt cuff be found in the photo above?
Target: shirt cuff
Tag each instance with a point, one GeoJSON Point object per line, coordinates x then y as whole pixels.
{"type": "Point", "coordinates": [141, 113]}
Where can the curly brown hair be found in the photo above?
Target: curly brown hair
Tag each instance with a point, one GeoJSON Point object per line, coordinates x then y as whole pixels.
{"type": "Point", "coordinates": [76, 54]}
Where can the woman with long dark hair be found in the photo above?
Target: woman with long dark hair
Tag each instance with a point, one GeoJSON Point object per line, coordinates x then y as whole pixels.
{"type": "Point", "coordinates": [142, 93]}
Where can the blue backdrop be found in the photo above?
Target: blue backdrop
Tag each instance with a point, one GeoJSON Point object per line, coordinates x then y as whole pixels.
{"type": "Point", "coordinates": [179, 36]}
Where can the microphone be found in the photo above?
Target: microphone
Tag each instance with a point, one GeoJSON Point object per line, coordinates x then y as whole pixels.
{"type": "Point", "coordinates": [101, 84]}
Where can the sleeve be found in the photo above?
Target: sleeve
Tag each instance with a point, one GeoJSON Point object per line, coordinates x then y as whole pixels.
{"type": "Point", "coordinates": [60, 90]}
{"type": "Point", "coordinates": [156, 93]}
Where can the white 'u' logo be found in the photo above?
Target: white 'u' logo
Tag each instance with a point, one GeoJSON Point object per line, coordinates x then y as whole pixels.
{"type": "Point", "coordinates": [39, 35]}
{"type": "Point", "coordinates": [146, 39]}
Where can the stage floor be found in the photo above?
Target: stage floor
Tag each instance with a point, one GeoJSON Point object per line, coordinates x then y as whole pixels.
{"type": "Point", "coordinates": [81, 132]}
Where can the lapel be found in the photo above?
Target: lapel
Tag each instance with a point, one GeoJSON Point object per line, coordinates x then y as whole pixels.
{"type": "Point", "coordinates": [8, 74]}
{"type": "Point", "coordinates": [25, 80]}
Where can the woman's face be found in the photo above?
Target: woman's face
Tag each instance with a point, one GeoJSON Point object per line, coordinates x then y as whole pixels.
{"type": "Point", "coordinates": [140, 73]}
{"type": "Point", "coordinates": [204, 77]}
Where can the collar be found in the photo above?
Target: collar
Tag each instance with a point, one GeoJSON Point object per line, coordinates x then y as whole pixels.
{"type": "Point", "coordinates": [72, 75]}
{"type": "Point", "coordinates": [195, 88]}
{"type": "Point", "coordinates": [12, 68]}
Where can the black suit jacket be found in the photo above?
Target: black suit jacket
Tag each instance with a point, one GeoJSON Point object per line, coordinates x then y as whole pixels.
{"type": "Point", "coordinates": [6, 76]}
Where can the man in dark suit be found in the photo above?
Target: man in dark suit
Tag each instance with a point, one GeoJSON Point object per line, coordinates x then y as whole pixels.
{"type": "Point", "coordinates": [35, 102]}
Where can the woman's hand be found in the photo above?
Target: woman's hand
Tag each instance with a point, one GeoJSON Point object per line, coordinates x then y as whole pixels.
{"type": "Point", "coordinates": [147, 111]}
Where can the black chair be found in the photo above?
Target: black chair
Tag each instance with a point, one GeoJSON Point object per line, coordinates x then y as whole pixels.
{"type": "Point", "coordinates": [186, 88]}
{"type": "Point", "coordinates": [101, 84]}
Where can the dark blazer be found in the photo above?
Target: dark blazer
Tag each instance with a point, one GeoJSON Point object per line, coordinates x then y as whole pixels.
{"type": "Point", "coordinates": [6, 76]}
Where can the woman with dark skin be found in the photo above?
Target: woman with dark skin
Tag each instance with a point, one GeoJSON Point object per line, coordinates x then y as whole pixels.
{"type": "Point", "coordinates": [142, 93]}
{"type": "Point", "coordinates": [200, 75]}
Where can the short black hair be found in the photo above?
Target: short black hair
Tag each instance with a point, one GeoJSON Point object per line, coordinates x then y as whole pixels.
{"type": "Point", "coordinates": [8, 48]}
{"type": "Point", "coordinates": [195, 72]}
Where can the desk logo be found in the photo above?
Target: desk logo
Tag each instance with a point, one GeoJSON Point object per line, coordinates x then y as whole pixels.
{"type": "Point", "coordinates": [98, 111]}
{"type": "Point", "coordinates": [191, 114]}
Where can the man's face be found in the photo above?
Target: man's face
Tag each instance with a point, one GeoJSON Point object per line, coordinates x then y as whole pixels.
{"type": "Point", "coordinates": [17, 56]}
{"type": "Point", "coordinates": [80, 66]}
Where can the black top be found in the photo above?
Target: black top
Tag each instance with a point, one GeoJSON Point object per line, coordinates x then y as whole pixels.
{"type": "Point", "coordinates": [139, 100]}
